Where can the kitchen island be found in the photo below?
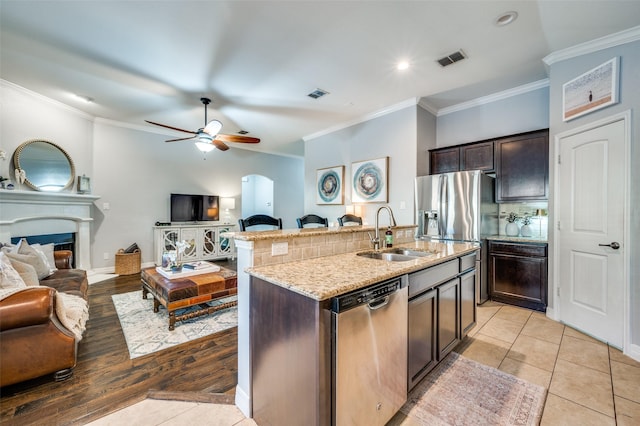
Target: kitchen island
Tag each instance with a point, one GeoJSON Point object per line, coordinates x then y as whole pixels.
{"type": "Point", "coordinates": [287, 369]}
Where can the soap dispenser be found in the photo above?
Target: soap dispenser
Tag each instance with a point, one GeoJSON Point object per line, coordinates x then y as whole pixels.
{"type": "Point", "coordinates": [388, 237]}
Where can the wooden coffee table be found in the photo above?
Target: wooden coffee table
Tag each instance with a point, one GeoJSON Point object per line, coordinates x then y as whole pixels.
{"type": "Point", "coordinates": [195, 290]}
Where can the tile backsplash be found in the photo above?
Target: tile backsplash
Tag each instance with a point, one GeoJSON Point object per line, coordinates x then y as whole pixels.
{"type": "Point", "coordinates": [539, 224]}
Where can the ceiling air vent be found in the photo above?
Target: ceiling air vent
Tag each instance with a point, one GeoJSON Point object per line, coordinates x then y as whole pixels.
{"type": "Point", "coordinates": [454, 57]}
{"type": "Point", "coordinates": [242, 132]}
{"type": "Point", "coordinates": [318, 93]}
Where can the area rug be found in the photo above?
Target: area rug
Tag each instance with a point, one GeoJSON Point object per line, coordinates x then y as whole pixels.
{"type": "Point", "coordinates": [147, 332]}
{"type": "Point", "coordinates": [460, 391]}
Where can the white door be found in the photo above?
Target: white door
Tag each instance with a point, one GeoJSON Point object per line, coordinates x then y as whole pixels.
{"type": "Point", "coordinates": [591, 202]}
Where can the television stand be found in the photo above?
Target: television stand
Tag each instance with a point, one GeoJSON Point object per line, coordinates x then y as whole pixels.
{"type": "Point", "coordinates": [204, 240]}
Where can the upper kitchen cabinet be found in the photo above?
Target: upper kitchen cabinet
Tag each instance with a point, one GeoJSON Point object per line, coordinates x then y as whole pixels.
{"type": "Point", "coordinates": [445, 160]}
{"type": "Point", "coordinates": [522, 167]}
{"type": "Point", "coordinates": [475, 156]}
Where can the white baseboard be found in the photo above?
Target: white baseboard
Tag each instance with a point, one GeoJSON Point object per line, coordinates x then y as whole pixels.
{"type": "Point", "coordinates": [633, 351]}
{"type": "Point", "coordinates": [243, 402]}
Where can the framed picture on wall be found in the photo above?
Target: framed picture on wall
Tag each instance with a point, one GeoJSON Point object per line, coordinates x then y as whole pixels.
{"type": "Point", "coordinates": [369, 180]}
{"type": "Point", "coordinates": [84, 185]}
{"type": "Point", "coordinates": [329, 184]}
{"type": "Point", "coordinates": [591, 91]}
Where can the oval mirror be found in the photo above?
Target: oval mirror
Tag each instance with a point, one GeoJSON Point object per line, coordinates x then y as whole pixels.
{"type": "Point", "coordinates": [47, 167]}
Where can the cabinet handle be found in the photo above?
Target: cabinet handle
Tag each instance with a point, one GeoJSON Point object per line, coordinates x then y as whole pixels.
{"type": "Point", "coordinates": [614, 245]}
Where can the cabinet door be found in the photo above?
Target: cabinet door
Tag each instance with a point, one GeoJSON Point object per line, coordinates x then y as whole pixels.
{"type": "Point", "coordinates": [190, 237]}
{"type": "Point", "coordinates": [522, 167]}
{"type": "Point", "coordinates": [518, 280]}
{"type": "Point", "coordinates": [478, 156]}
{"type": "Point", "coordinates": [448, 317]}
{"type": "Point", "coordinates": [468, 301]}
{"type": "Point", "coordinates": [422, 336]}
{"type": "Point", "coordinates": [209, 243]}
{"type": "Point", "coordinates": [224, 243]}
{"type": "Point", "coordinates": [444, 160]}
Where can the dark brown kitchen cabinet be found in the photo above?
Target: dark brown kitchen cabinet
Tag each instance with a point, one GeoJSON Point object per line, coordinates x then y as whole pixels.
{"type": "Point", "coordinates": [522, 167]}
{"type": "Point", "coordinates": [518, 274]}
{"type": "Point", "coordinates": [477, 156]}
{"type": "Point", "coordinates": [444, 160]}
{"type": "Point", "coordinates": [448, 317]}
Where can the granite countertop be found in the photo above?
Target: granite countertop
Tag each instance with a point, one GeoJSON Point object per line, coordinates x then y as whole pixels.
{"type": "Point", "coordinates": [304, 232]}
{"type": "Point", "coordinates": [518, 239]}
{"type": "Point", "coordinates": [322, 278]}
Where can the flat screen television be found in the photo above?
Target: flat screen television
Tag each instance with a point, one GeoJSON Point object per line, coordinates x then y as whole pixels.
{"type": "Point", "coordinates": [194, 208]}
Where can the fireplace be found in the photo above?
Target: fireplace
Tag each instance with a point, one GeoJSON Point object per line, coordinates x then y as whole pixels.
{"type": "Point", "coordinates": [66, 241]}
{"type": "Point", "coordinates": [33, 214]}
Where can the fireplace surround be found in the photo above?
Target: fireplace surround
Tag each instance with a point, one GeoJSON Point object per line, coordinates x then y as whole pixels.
{"type": "Point", "coordinates": [32, 213]}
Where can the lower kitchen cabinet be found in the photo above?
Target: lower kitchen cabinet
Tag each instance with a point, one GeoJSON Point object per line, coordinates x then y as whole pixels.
{"type": "Point", "coordinates": [448, 317]}
{"type": "Point", "coordinates": [518, 274]}
{"type": "Point", "coordinates": [467, 301]}
{"type": "Point", "coordinates": [442, 310]}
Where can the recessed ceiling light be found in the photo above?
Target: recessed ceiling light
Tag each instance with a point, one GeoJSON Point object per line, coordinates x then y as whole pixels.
{"type": "Point", "coordinates": [402, 65]}
{"type": "Point", "coordinates": [506, 18]}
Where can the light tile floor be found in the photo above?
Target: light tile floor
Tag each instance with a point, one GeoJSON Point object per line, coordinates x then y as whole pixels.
{"type": "Point", "coordinates": [588, 382]}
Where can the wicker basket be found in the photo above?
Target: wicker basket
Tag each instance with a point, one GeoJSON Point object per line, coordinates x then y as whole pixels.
{"type": "Point", "coordinates": [127, 263]}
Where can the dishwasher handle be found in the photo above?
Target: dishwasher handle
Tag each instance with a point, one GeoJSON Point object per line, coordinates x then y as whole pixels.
{"type": "Point", "coordinates": [378, 303]}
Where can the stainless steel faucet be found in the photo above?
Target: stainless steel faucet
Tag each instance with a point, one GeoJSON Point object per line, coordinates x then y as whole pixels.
{"type": "Point", "coordinates": [392, 222]}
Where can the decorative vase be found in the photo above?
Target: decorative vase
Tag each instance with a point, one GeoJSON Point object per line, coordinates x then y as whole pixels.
{"type": "Point", "coordinates": [512, 229]}
{"type": "Point", "coordinates": [526, 231]}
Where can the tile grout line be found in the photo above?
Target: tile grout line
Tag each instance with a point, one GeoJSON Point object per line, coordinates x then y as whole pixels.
{"type": "Point", "coordinates": [613, 392]}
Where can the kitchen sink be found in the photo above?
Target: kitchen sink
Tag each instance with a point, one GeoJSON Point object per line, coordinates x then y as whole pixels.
{"type": "Point", "coordinates": [409, 252]}
{"type": "Point", "coordinates": [390, 257]}
{"type": "Point", "coordinates": [396, 255]}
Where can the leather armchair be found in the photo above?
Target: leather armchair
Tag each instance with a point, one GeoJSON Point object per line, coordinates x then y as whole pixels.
{"type": "Point", "coordinates": [33, 341]}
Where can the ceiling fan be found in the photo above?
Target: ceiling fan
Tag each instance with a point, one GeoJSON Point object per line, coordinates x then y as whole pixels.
{"type": "Point", "coordinates": [208, 136]}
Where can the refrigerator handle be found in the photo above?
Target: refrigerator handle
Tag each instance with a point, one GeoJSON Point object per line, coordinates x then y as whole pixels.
{"type": "Point", "coordinates": [442, 205]}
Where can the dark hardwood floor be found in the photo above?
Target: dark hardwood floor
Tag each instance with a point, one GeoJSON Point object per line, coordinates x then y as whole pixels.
{"type": "Point", "coordinates": [105, 379]}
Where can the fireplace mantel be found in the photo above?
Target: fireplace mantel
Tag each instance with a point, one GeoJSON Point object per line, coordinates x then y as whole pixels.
{"type": "Point", "coordinates": [26, 213]}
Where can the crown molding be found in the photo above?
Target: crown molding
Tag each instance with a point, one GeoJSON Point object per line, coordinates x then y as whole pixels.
{"type": "Point", "coordinates": [46, 99]}
{"type": "Point", "coordinates": [612, 40]}
{"type": "Point", "coordinates": [388, 110]}
{"type": "Point", "coordinates": [525, 88]}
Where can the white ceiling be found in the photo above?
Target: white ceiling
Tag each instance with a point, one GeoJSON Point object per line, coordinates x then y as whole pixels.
{"type": "Point", "coordinates": [258, 60]}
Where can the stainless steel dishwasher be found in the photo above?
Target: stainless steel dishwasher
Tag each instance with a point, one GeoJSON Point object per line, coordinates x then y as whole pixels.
{"type": "Point", "coordinates": [370, 353]}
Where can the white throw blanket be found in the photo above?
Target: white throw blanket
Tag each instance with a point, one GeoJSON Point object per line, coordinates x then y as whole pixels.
{"type": "Point", "coordinates": [72, 311]}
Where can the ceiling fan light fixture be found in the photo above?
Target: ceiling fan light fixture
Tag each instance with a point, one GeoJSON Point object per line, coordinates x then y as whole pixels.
{"type": "Point", "coordinates": [204, 146]}
{"type": "Point", "coordinates": [213, 128]}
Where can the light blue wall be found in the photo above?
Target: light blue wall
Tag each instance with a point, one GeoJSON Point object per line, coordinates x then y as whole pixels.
{"type": "Point", "coordinates": [564, 71]}
{"type": "Point", "coordinates": [516, 114]}
{"type": "Point", "coordinates": [392, 135]}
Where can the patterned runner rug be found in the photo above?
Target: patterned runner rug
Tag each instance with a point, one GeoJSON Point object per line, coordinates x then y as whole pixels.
{"type": "Point", "coordinates": [460, 391]}
{"type": "Point", "coordinates": [147, 332]}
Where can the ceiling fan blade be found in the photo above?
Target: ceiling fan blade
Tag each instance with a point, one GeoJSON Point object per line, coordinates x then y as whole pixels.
{"type": "Point", "coordinates": [171, 127]}
{"type": "Point", "coordinates": [237, 138]}
{"type": "Point", "coordinates": [220, 145]}
{"type": "Point", "coordinates": [180, 139]}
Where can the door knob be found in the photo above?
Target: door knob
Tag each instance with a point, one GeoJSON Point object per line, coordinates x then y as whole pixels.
{"type": "Point", "coordinates": [614, 245]}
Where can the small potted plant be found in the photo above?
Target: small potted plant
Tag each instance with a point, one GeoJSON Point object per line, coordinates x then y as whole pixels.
{"type": "Point", "coordinates": [512, 228]}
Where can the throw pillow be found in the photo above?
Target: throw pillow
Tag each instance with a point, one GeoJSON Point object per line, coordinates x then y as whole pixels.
{"type": "Point", "coordinates": [27, 273]}
{"type": "Point", "coordinates": [34, 260]}
{"type": "Point", "coordinates": [9, 277]}
{"type": "Point", "coordinates": [46, 251]}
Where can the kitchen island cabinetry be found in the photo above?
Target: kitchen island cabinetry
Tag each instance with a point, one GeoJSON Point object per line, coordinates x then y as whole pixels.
{"type": "Point", "coordinates": [518, 274]}
{"type": "Point", "coordinates": [293, 335]}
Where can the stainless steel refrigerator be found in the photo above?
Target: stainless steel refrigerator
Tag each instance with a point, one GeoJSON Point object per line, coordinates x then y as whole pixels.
{"type": "Point", "coordinates": [459, 206]}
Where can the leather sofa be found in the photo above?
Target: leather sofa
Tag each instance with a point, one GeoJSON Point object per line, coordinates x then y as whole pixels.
{"type": "Point", "coordinates": [33, 341]}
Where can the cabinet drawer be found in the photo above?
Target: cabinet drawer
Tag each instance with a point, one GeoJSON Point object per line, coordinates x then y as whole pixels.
{"type": "Point", "coordinates": [536, 250]}
{"type": "Point", "coordinates": [428, 278]}
{"type": "Point", "coordinates": [467, 262]}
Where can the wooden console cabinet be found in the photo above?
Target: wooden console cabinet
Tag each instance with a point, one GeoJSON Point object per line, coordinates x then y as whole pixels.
{"type": "Point", "coordinates": [518, 274]}
{"type": "Point", "coordinates": [205, 241]}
